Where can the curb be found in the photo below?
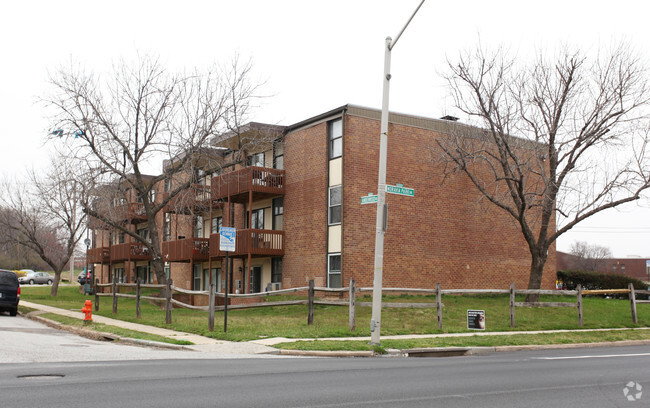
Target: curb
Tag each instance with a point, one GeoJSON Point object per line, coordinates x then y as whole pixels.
{"type": "Point", "coordinates": [320, 353]}
{"type": "Point", "coordinates": [102, 336]}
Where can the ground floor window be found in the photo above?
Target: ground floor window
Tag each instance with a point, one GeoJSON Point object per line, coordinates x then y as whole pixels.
{"type": "Point", "coordinates": [196, 281]}
{"type": "Point", "coordinates": [216, 278]}
{"type": "Point", "coordinates": [167, 270]}
{"type": "Point", "coordinates": [276, 270]}
{"type": "Point", "coordinates": [118, 275]}
{"type": "Point", "coordinates": [334, 270]}
{"type": "Point", "coordinates": [144, 273]}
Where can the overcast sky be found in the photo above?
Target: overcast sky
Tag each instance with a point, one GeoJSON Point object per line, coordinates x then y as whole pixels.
{"type": "Point", "coordinates": [313, 55]}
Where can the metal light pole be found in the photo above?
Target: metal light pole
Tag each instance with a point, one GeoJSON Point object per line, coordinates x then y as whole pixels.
{"type": "Point", "coordinates": [382, 220]}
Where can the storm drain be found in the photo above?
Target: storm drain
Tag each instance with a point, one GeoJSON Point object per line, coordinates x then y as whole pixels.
{"type": "Point", "coordinates": [41, 376]}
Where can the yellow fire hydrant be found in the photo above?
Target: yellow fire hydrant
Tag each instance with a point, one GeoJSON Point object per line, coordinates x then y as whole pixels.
{"type": "Point", "coordinates": [88, 311]}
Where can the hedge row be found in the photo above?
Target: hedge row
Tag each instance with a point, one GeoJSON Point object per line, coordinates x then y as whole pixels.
{"type": "Point", "coordinates": [597, 280]}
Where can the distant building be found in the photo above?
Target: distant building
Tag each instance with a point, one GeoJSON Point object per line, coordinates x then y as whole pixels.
{"type": "Point", "coordinates": [638, 268]}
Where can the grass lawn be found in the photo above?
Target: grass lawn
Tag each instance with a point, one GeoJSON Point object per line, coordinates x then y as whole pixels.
{"type": "Point", "coordinates": [332, 321]}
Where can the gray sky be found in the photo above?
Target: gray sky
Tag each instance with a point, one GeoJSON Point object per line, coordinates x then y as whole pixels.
{"type": "Point", "coordinates": [313, 55]}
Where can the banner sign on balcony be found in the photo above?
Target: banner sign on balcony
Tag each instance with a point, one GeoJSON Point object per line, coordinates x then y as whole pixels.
{"type": "Point", "coordinates": [227, 238]}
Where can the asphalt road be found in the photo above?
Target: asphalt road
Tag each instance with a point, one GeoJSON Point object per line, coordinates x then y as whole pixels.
{"type": "Point", "coordinates": [552, 378]}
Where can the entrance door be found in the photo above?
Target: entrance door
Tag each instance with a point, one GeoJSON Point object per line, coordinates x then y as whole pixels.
{"type": "Point", "coordinates": [256, 279]}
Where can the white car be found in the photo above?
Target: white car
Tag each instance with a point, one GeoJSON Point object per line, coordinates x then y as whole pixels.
{"type": "Point", "coordinates": [35, 277]}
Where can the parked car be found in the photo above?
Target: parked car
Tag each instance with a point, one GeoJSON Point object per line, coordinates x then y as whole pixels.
{"type": "Point", "coordinates": [9, 292]}
{"type": "Point", "coordinates": [85, 277]}
{"type": "Point", "coordinates": [36, 277]}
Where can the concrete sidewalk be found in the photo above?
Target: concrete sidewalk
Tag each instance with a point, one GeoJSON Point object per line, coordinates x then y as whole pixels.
{"type": "Point", "coordinates": [200, 343]}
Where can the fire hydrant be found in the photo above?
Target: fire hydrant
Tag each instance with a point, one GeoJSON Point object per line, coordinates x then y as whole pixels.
{"type": "Point", "coordinates": [88, 311]}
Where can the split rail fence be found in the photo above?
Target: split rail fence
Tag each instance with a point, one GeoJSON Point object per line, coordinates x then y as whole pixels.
{"type": "Point", "coordinates": [168, 290]}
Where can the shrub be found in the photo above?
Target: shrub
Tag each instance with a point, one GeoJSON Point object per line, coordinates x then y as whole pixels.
{"type": "Point", "coordinates": [597, 280]}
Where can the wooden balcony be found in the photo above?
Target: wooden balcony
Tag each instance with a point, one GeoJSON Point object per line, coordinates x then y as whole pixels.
{"type": "Point", "coordinates": [261, 181]}
{"type": "Point", "coordinates": [196, 197]}
{"type": "Point", "coordinates": [132, 251]}
{"type": "Point", "coordinates": [185, 250]}
{"type": "Point", "coordinates": [98, 255]}
{"type": "Point", "coordinates": [132, 212]}
{"type": "Point", "coordinates": [257, 242]}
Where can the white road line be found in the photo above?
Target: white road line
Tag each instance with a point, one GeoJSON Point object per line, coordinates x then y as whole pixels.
{"type": "Point", "coordinates": [594, 356]}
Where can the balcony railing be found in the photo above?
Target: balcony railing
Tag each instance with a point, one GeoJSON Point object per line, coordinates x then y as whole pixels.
{"type": "Point", "coordinates": [196, 249]}
{"type": "Point", "coordinates": [98, 255]}
{"type": "Point", "coordinates": [197, 195]}
{"type": "Point", "coordinates": [131, 211]}
{"type": "Point", "coordinates": [256, 179]}
{"type": "Point", "coordinates": [134, 251]}
{"type": "Point", "coordinates": [258, 242]}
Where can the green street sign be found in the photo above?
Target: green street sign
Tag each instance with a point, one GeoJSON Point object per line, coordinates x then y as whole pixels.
{"type": "Point", "coordinates": [400, 190]}
{"type": "Point", "coordinates": [369, 199]}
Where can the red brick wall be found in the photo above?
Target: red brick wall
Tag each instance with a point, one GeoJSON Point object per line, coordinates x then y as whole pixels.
{"type": "Point", "coordinates": [305, 207]}
{"type": "Point", "coordinates": [443, 234]}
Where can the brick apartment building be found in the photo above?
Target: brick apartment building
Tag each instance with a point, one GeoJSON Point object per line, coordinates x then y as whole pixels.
{"type": "Point", "coordinates": [296, 204]}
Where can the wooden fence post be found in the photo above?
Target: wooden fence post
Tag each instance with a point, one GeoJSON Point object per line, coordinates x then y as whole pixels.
{"type": "Point", "coordinates": [168, 302]}
{"type": "Point", "coordinates": [352, 299]}
{"type": "Point", "coordinates": [114, 296]}
{"type": "Point", "coordinates": [310, 316]}
{"type": "Point", "coordinates": [633, 304]}
{"type": "Point", "coordinates": [211, 308]}
{"type": "Point", "coordinates": [96, 295]}
{"type": "Point", "coordinates": [512, 304]}
{"type": "Point", "coordinates": [439, 305]}
{"type": "Point", "coordinates": [137, 298]}
{"type": "Point", "coordinates": [580, 322]}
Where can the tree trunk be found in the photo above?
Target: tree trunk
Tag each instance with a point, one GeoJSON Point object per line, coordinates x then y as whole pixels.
{"type": "Point", "coordinates": [55, 283]}
{"type": "Point", "coordinates": [535, 279]}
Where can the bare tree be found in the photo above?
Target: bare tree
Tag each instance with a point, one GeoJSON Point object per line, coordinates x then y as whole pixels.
{"type": "Point", "coordinates": [589, 257]}
{"type": "Point", "coordinates": [563, 139]}
{"type": "Point", "coordinates": [43, 214]}
{"type": "Point", "coordinates": [139, 117]}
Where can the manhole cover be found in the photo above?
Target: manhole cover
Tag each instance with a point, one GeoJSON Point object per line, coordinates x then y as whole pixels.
{"type": "Point", "coordinates": [41, 376]}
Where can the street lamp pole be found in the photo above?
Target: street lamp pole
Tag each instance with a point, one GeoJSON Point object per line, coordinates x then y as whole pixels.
{"type": "Point", "coordinates": [382, 215]}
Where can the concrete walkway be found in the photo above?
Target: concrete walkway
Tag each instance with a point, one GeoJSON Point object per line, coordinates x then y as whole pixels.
{"type": "Point", "coordinates": [200, 343]}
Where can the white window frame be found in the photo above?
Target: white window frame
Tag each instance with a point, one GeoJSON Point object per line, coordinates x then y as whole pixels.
{"type": "Point", "coordinates": [330, 206]}
{"type": "Point", "coordinates": [329, 272]}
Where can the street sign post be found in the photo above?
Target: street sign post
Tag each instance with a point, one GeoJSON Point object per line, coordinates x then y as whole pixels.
{"type": "Point", "coordinates": [369, 199]}
{"type": "Point", "coordinates": [227, 241]}
{"type": "Point", "coordinates": [227, 238]}
{"type": "Point", "coordinates": [400, 190]}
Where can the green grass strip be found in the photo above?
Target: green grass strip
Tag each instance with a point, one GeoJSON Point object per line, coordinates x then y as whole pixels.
{"type": "Point", "coordinates": [100, 327]}
{"type": "Point", "coordinates": [474, 341]}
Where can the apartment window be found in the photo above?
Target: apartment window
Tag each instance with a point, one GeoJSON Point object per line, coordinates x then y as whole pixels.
{"type": "Point", "coordinates": [276, 270]}
{"type": "Point", "coordinates": [335, 134]}
{"type": "Point", "coordinates": [167, 227]}
{"type": "Point", "coordinates": [334, 205]}
{"type": "Point", "coordinates": [120, 238]}
{"type": "Point", "coordinates": [623, 269]}
{"type": "Point", "coordinates": [152, 196]}
{"type": "Point", "coordinates": [168, 185]}
{"type": "Point", "coordinates": [278, 213]}
{"type": "Point", "coordinates": [278, 155]}
{"type": "Point", "coordinates": [196, 275]}
{"type": "Point", "coordinates": [144, 234]}
{"type": "Point", "coordinates": [256, 160]}
{"type": "Point", "coordinates": [216, 278]}
{"type": "Point", "coordinates": [167, 270]}
{"type": "Point", "coordinates": [334, 271]}
{"type": "Point", "coordinates": [217, 223]}
{"type": "Point", "coordinates": [118, 275]}
{"type": "Point", "coordinates": [198, 226]}
{"type": "Point", "coordinates": [256, 219]}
